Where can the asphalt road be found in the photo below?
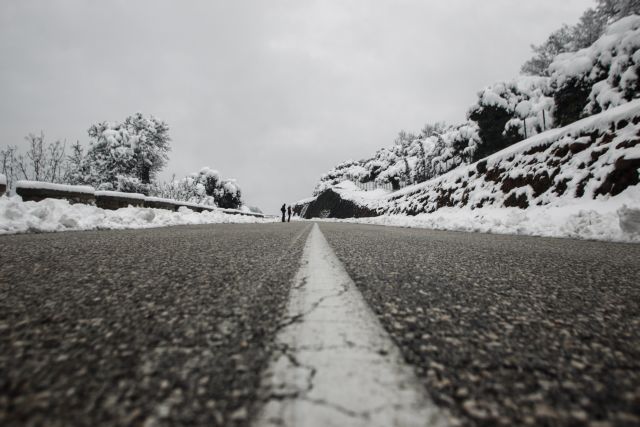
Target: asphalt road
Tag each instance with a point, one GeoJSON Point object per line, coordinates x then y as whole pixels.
{"type": "Point", "coordinates": [169, 326]}
{"type": "Point", "coordinates": [174, 326]}
{"type": "Point", "coordinates": [507, 330]}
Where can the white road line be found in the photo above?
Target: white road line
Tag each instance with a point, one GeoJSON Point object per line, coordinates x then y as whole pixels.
{"type": "Point", "coordinates": [336, 365]}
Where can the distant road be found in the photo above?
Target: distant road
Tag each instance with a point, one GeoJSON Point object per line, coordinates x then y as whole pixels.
{"type": "Point", "coordinates": [176, 326]}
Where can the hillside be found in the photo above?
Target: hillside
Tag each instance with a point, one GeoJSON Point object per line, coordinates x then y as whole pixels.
{"type": "Point", "coordinates": [583, 176]}
{"type": "Point", "coordinates": [551, 154]}
{"type": "Point", "coordinates": [576, 85]}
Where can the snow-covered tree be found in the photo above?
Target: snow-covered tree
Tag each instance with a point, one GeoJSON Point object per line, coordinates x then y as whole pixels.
{"type": "Point", "coordinates": [150, 145]}
{"type": "Point", "coordinates": [228, 194]}
{"type": "Point", "coordinates": [77, 170]}
{"type": "Point", "coordinates": [591, 26]}
{"type": "Point", "coordinates": [203, 187]}
{"type": "Point", "coordinates": [110, 153]}
{"type": "Point", "coordinates": [613, 10]}
{"type": "Point", "coordinates": [601, 76]}
{"type": "Point", "coordinates": [411, 159]}
{"type": "Point", "coordinates": [558, 42]}
{"type": "Point", "coordinates": [136, 148]}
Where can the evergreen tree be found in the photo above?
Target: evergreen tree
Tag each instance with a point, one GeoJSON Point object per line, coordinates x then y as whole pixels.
{"type": "Point", "coordinates": [558, 42]}
{"type": "Point", "coordinates": [612, 10]}
{"type": "Point", "coordinates": [110, 154]}
{"type": "Point", "coordinates": [151, 145]}
{"type": "Point", "coordinates": [136, 148]}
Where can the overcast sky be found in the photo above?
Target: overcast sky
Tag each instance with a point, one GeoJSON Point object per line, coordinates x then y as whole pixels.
{"type": "Point", "coordinates": [272, 93]}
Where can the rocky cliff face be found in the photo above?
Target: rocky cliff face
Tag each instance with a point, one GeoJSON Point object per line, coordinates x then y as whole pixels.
{"type": "Point", "coordinates": [332, 204]}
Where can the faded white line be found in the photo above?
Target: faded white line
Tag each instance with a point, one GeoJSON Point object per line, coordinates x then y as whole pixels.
{"type": "Point", "coordinates": [336, 365]}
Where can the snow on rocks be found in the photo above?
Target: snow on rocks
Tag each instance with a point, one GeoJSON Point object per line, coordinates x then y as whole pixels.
{"type": "Point", "coordinates": [17, 216]}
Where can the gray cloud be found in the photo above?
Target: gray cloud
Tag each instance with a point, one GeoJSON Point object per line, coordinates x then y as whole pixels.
{"type": "Point", "coordinates": [272, 93]}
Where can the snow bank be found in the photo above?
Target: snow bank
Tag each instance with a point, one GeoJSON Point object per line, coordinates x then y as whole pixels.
{"type": "Point", "coordinates": [616, 219]}
{"type": "Point", "coordinates": [3, 179]}
{"type": "Point", "coordinates": [48, 215]}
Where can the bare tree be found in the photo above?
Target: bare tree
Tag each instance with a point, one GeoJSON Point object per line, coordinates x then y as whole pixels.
{"type": "Point", "coordinates": [9, 164]}
{"type": "Point", "coordinates": [42, 161]}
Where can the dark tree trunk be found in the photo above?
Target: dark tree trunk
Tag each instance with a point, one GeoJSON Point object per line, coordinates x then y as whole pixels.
{"type": "Point", "coordinates": [145, 174]}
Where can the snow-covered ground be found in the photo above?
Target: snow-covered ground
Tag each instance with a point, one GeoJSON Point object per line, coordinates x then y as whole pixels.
{"type": "Point", "coordinates": [49, 215]}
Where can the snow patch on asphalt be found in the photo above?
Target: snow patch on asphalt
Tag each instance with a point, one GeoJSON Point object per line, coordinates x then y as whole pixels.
{"type": "Point", "coordinates": [336, 366]}
{"type": "Point", "coordinates": [49, 215]}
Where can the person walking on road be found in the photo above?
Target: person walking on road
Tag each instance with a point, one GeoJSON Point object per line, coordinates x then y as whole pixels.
{"type": "Point", "coordinates": [283, 209]}
{"type": "Point", "coordinates": [289, 212]}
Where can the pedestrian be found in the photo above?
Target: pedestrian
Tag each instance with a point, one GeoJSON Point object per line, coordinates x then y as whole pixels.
{"type": "Point", "coordinates": [283, 209]}
{"type": "Point", "coordinates": [289, 211]}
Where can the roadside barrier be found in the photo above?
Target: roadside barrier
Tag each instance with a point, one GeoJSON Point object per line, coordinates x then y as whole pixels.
{"type": "Point", "coordinates": [37, 191]}
{"type": "Point", "coordinates": [113, 200]}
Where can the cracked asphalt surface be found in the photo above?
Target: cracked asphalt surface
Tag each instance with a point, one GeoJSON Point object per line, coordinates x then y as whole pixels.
{"type": "Point", "coordinates": [169, 326]}
{"type": "Point", "coordinates": [507, 330]}
{"type": "Point", "coordinates": [175, 326]}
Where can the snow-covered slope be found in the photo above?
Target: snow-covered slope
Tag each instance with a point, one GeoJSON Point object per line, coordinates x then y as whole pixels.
{"type": "Point", "coordinates": [602, 76]}
{"type": "Point", "coordinates": [597, 157]}
{"type": "Point", "coordinates": [579, 181]}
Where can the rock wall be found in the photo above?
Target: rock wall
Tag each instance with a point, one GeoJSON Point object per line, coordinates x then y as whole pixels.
{"type": "Point", "coordinates": [330, 204]}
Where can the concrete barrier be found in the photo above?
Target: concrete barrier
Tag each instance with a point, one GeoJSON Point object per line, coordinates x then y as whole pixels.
{"type": "Point", "coordinates": [174, 205]}
{"type": "Point", "coordinates": [160, 203]}
{"type": "Point", "coordinates": [195, 207]}
{"type": "Point", "coordinates": [36, 191]}
{"type": "Point", "coordinates": [239, 212]}
{"type": "Point", "coordinates": [113, 200]}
